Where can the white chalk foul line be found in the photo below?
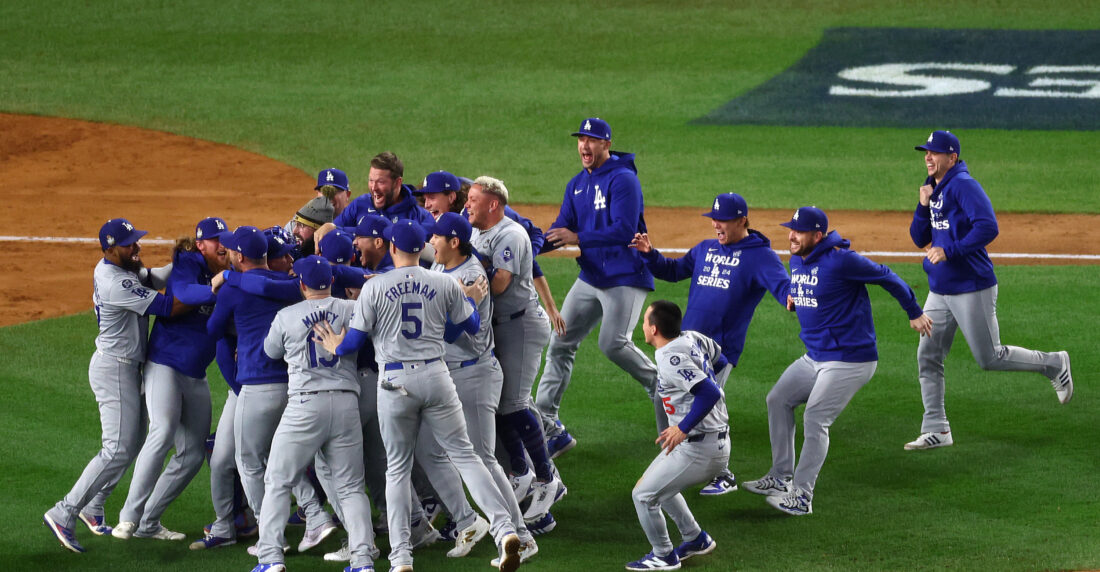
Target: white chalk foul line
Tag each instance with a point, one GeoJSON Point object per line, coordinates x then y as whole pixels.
{"type": "Point", "coordinates": [884, 253]}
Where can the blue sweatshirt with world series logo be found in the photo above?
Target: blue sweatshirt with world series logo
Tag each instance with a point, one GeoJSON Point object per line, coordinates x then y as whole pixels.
{"type": "Point", "coordinates": [828, 288]}
{"type": "Point", "coordinates": [960, 220]}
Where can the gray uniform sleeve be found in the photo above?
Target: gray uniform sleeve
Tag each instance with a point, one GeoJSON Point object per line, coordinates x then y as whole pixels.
{"type": "Point", "coordinates": [274, 343]}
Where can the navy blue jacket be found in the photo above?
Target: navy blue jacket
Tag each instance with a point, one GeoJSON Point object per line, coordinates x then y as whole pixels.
{"type": "Point", "coordinates": [829, 291]}
{"type": "Point", "coordinates": [406, 207]}
{"type": "Point", "coordinates": [605, 209]}
{"type": "Point", "coordinates": [252, 315]}
{"type": "Point", "coordinates": [727, 283]}
{"type": "Point", "coordinates": [181, 342]}
{"type": "Point", "coordinates": [960, 220]}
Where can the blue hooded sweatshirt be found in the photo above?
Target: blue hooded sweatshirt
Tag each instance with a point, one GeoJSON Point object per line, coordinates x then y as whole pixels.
{"type": "Point", "coordinates": [252, 316]}
{"type": "Point", "coordinates": [828, 288]}
{"type": "Point", "coordinates": [181, 342]}
{"type": "Point", "coordinates": [727, 283]}
{"type": "Point", "coordinates": [406, 207]}
{"type": "Point", "coordinates": [960, 220]}
{"type": "Point", "coordinates": [605, 209]}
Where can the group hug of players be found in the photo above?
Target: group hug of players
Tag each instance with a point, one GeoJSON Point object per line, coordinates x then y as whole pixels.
{"type": "Point", "coordinates": [406, 325]}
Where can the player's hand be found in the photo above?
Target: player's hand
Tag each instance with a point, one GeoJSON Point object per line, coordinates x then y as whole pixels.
{"type": "Point", "coordinates": [790, 303]}
{"type": "Point", "coordinates": [670, 438]}
{"type": "Point", "coordinates": [216, 282]}
{"type": "Point", "coordinates": [922, 324]}
{"type": "Point", "coordinates": [557, 323]}
{"type": "Point", "coordinates": [329, 339]}
{"type": "Point", "coordinates": [562, 237]}
{"type": "Point", "coordinates": [641, 242]}
{"type": "Point", "coordinates": [936, 255]}
{"type": "Point", "coordinates": [925, 195]}
{"type": "Point", "coordinates": [478, 290]}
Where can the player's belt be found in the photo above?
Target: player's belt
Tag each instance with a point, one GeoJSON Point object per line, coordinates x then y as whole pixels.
{"type": "Point", "coordinates": [121, 360]}
{"type": "Point", "coordinates": [469, 362]}
{"type": "Point", "coordinates": [702, 436]}
{"type": "Point", "coordinates": [325, 391]}
{"type": "Point", "coordinates": [509, 318]}
{"type": "Point", "coordinates": [396, 365]}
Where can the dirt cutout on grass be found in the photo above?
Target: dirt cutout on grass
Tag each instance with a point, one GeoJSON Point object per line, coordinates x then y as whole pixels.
{"type": "Point", "coordinates": [64, 178]}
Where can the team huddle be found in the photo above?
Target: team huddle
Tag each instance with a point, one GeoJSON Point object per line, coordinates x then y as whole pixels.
{"type": "Point", "coordinates": [379, 349]}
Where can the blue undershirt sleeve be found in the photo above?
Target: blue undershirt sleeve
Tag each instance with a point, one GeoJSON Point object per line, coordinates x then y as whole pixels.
{"type": "Point", "coordinates": [706, 396]}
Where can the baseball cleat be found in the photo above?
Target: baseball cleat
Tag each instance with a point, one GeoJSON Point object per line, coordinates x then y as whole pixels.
{"type": "Point", "coordinates": [468, 537]}
{"type": "Point", "coordinates": [523, 485]}
{"type": "Point", "coordinates": [796, 502]}
{"type": "Point", "coordinates": [124, 530]}
{"type": "Point", "coordinates": [767, 485]}
{"type": "Point", "coordinates": [721, 485]}
{"type": "Point", "coordinates": [64, 535]}
{"type": "Point", "coordinates": [211, 541]}
{"type": "Point", "coordinates": [560, 443]}
{"type": "Point", "coordinates": [270, 567]}
{"type": "Point", "coordinates": [1063, 382]}
{"type": "Point", "coordinates": [254, 550]}
{"type": "Point", "coordinates": [652, 561]}
{"type": "Point", "coordinates": [529, 549]}
{"type": "Point", "coordinates": [246, 524]}
{"type": "Point", "coordinates": [542, 524]}
{"type": "Point", "coordinates": [161, 533]}
{"type": "Point", "coordinates": [316, 536]}
{"type": "Point", "coordinates": [297, 518]}
{"type": "Point", "coordinates": [95, 524]}
{"type": "Point", "coordinates": [543, 497]}
{"type": "Point", "coordinates": [367, 568]}
{"type": "Point", "coordinates": [432, 508]}
{"type": "Point", "coordinates": [930, 441]}
{"type": "Point", "coordinates": [423, 534]}
{"type": "Point", "coordinates": [401, 568]}
{"type": "Point", "coordinates": [449, 531]}
{"type": "Point", "coordinates": [509, 553]}
{"type": "Point", "coordinates": [342, 555]}
{"type": "Point", "coordinates": [703, 544]}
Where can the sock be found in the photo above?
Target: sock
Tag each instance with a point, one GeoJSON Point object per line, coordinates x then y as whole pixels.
{"type": "Point", "coordinates": [512, 444]}
{"type": "Point", "coordinates": [525, 423]}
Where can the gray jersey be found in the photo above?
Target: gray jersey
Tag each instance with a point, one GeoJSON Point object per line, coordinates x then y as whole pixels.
{"type": "Point", "coordinates": [310, 366]}
{"type": "Point", "coordinates": [405, 311]}
{"type": "Point", "coordinates": [682, 363]}
{"type": "Point", "coordinates": [120, 304]}
{"type": "Point", "coordinates": [509, 247]}
{"type": "Point", "coordinates": [468, 347]}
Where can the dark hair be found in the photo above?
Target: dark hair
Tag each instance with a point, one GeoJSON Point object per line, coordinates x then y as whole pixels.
{"type": "Point", "coordinates": [666, 316]}
{"type": "Point", "coordinates": [460, 198]}
{"type": "Point", "coordinates": [465, 248]}
{"type": "Point", "coordinates": [387, 161]}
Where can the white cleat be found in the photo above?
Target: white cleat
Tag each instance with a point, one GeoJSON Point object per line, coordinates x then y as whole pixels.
{"type": "Point", "coordinates": [930, 441]}
{"type": "Point", "coordinates": [510, 558]}
{"type": "Point", "coordinates": [124, 530]}
{"type": "Point", "coordinates": [529, 549]}
{"type": "Point", "coordinates": [795, 503]}
{"type": "Point", "coordinates": [1063, 382]}
{"type": "Point", "coordinates": [254, 550]}
{"type": "Point", "coordinates": [543, 496]}
{"type": "Point", "coordinates": [468, 537]}
{"type": "Point", "coordinates": [522, 485]}
{"type": "Point", "coordinates": [422, 534]}
{"type": "Point", "coordinates": [316, 536]}
{"type": "Point", "coordinates": [160, 534]}
{"type": "Point", "coordinates": [768, 485]}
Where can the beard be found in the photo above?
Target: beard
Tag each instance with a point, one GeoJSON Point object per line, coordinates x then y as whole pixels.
{"type": "Point", "coordinates": [130, 264]}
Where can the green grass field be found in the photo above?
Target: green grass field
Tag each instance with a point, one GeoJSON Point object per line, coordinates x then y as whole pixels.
{"type": "Point", "coordinates": [495, 88]}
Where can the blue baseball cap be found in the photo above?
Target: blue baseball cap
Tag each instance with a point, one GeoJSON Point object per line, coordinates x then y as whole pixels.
{"type": "Point", "coordinates": [314, 271]}
{"type": "Point", "coordinates": [406, 235]}
{"type": "Point", "coordinates": [373, 226]}
{"type": "Point", "coordinates": [209, 228]}
{"type": "Point", "coordinates": [440, 182]}
{"type": "Point", "coordinates": [451, 225]}
{"type": "Point", "coordinates": [594, 127]}
{"type": "Point", "coordinates": [248, 240]}
{"type": "Point", "coordinates": [332, 176]}
{"type": "Point", "coordinates": [336, 247]}
{"type": "Point", "coordinates": [118, 231]}
{"type": "Point", "coordinates": [941, 142]}
{"type": "Point", "coordinates": [728, 206]}
{"type": "Point", "coordinates": [279, 242]}
{"type": "Point", "coordinates": [807, 219]}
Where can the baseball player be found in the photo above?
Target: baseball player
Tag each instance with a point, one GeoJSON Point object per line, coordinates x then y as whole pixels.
{"type": "Point", "coordinates": [321, 417]}
{"type": "Point", "coordinates": [332, 184]}
{"type": "Point", "coordinates": [600, 212]}
{"type": "Point", "coordinates": [477, 376]}
{"type": "Point", "coordinates": [309, 218]}
{"type": "Point", "coordinates": [177, 395]}
{"type": "Point", "coordinates": [695, 444]}
{"type": "Point", "coordinates": [829, 294]}
{"type": "Point", "coordinates": [337, 248]}
{"type": "Point", "coordinates": [953, 223]}
{"type": "Point", "coordinates": [410, 305]}
{"type": "Point", "coordinates": [729, 276]}
{"type": "Point", "coordinates": [263, 381]}
{"type": "Point", "coordinates": [388, 198]}
{"type": "Point", "coordinates": [123, 303]}
{"type": "Point", "coordinates": [374, 251]}
{"type": "Point", "coordinates": [520, 331]}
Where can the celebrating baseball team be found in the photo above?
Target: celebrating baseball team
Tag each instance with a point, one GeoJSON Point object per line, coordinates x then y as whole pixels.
{"type": "Point", "coordinates": [378, 349]}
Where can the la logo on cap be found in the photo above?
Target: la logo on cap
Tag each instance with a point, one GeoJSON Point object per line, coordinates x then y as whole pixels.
{"type": "Point", "coordinates": [930, 136]}
{"type": "Point", "coordinates": [127, 225]}
{"type": "Point", "coordinates": [716, 207]}
{"type": "Point", "coordinates": [330, 177]}
{"type": "Point", "coordinates": [795, 217]}
{"type": "Point", "coordinates": [587, 124]}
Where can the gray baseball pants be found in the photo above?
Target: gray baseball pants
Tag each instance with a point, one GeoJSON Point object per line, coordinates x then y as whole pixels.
{"type": "Point", "coordinates": [720, 379]}
{"type": "Point", "coordinates": [584, 307]}
{"type": "Point", "coordinates": [324, 424]}
{"type": "Point", "coordinates": [659, 488]}
{"type": "Point", "coordinates": [116, 384]}
{"type": "Point", "coordinates": [223, 468]}
{"type": "Point", "coordinates": [975, 313]}
{"type": "Point", "coordinates": [179, 413]}
{"type": "Point", "coordinates": [825, 387]}
{"type": "Point", "coordinates": [257, 414]}
{"type": "Point", "coordinates": [424, 391]}
{"type": "Point", "coordinates": [519, 344]}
